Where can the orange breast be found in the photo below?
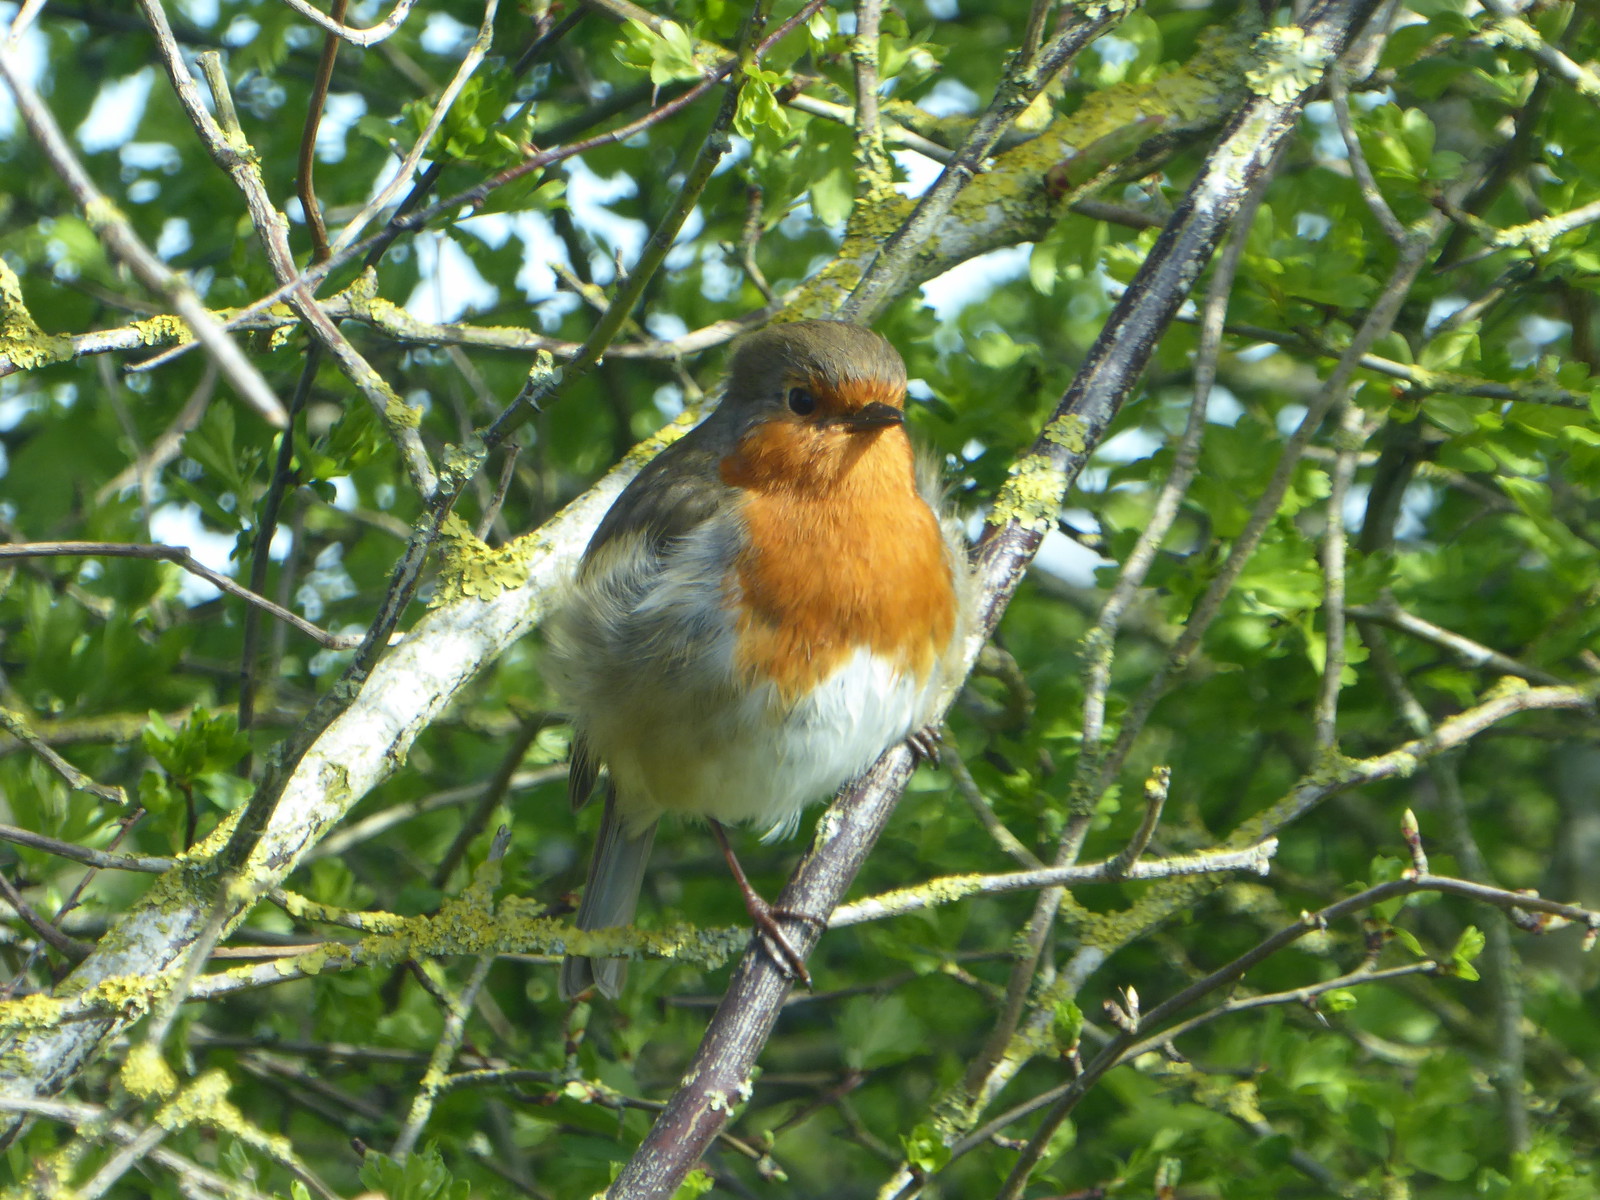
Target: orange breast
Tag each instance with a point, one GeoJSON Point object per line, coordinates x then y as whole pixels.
{"type": "Point", "coordinates": [843, 553]}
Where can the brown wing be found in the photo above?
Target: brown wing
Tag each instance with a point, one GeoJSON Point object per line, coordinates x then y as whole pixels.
{"type": "Point", "coordinates": [675, 492]}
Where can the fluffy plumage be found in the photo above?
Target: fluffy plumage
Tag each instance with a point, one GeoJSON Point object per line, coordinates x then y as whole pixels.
{"type": "Point", "coordinates": [767, 607]}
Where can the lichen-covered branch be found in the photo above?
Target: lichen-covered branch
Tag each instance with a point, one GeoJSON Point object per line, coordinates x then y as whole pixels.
{"type": "Point", "coordinates": [411, 685]}
{"type": "Point", "coordinates": [952, 888]}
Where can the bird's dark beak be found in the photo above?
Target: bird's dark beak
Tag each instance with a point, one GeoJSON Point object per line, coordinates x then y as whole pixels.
{"type": "Point", "coordinates": [872, 416]}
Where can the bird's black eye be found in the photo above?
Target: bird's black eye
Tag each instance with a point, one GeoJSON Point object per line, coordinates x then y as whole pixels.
{"type": "Point", "coordinates": [802, 402]}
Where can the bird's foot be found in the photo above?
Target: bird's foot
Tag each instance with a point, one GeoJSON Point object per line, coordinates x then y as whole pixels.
{"type": "Point", "coordinates": [776, 943]}
{"type": "Point", "coordinates": [924, 745]}
{"type": "Point", "coordinates": [765, 917]}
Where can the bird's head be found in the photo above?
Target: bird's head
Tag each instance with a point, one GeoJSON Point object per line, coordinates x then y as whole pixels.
{"type": "Point", "coordinates": [808, 400]}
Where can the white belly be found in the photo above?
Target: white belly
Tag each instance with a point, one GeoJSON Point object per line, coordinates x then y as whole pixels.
{"type": "Point", "coordinates": [752, 759]}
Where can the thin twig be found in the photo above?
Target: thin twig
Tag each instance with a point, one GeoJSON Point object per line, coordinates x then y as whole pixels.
{"type": "Point", "coordinates": [493, 795]}
{"type": "Point", "coordinates": [69, 948]}
{"type": "Point", "coordinates": [1380, 317]}
{"type": "Point", "coordinates": [1469, 652]}
{"type": "Point", "coordinates": [306, 175]}
{"type": "Point", "coordinates": [441, 109]}
{"type": "Point", "coordinates": [18, 727]}
{"type": "Point", "coordinates": [1509, 1075]}
{"type": "Point", "coordinates": [544, 389]}
{"type": "Point", "coordinates": [313, 274]}
{"type": "Point", "coordinates": [231, 152]}
{"type": "Point", "coordinates": [182, 1167]}
{"type": "Point", "coordinates": [984, 811]}
{"type": "Point", "coordinates": [1511, 29]}
{"type": "Point", "coordinates": [1020, 87]}
{"type": "Point", "coordinates": [283, 478]}
{"type": "Point", "coordinates": [1065, 1097]}
{"type": "Point", "coordinates": [1155, 799]}
{"type": "Point", "coordinates": [369, 36]}
{"type": "Point", "coordinates": [147, 864]}
{"type": "Point", "coordinates": [508, 471]}
{"type": "Point", "coordinates": [450, 1038]}
{"type": "Point", "coordinates": [168, 443]}
{"type": "Point", "coordinates": [1100, 642]}
{"type": "Point", "coordinates": [180, 556]}
{"type": "Point", "coordinates": [1339, 93]}
{"type": "Point", "coordinates": [1352, 434]}
{"type": "Point", "coordinates": [870, 153]}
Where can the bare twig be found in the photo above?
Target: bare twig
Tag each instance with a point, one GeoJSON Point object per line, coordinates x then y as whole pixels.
{"type": "Point", "coordinates": [1512, 30]}
{"type": "Point", "coordinates": [18, 727]}
{"type": "Point", "coordinates": [1509, 1074]}
{"type": "Point", "coordinates": [1473, 654]}
{"type": "Point", "coordinates": [369, 36]}
{"type": "Point", "coordinates": [183, 1167]}
{"type": "Point", "coordinates": [441, 109]}
{"type": "Point", "coordinates": [306, 175]}
{"type": "Point", "coordinates": [1155, 799]}
{"type": "Point", "coordinates": [1352, 433]}
{"type": "Point", "coordinates": [1339, 93]}
{"type": "Point", "coordinates": [450, 1038]}
{"type": "Point", "coordinates": [1064, 1098]}
{"type": "Point", "coordinates": [231, 152]}
{"type": "Point", "coordinates": [83, 854]}
{"type": "Point", "coordinates": [1334, 389]}
{"type": "Point", "coordinates": [168, 443]}
{"type": "Point", "coordinates": [1017, 90]}
{"type": "Point", "coordinates": [180, 556]}
{"type": "Point", "coordinates": [984, 811]}
{"type": "Point", "coordinates": [69, 948]}
{"type": "Point", "coordinates": [873, 157]}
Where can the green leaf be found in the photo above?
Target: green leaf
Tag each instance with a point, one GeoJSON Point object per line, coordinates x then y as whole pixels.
{"type": "Point", "coordinates": [924, 1151]}
{"type": "Point", "coordinates": [668, 54]}
{"type": "Point", "coordinates": [201, 745]}
{"type": "Point", "coordinates": [758, 106]}
{"type": "Point", "coordinates": [422, 1176]}
{"type": "Point", "coordinates": [1468, 947]}
{"type": "Point", "coordinates": [697, 1182]}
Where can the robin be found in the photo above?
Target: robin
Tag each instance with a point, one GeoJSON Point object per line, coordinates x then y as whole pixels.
{"type": "Point", "coordinates": [768, 606]}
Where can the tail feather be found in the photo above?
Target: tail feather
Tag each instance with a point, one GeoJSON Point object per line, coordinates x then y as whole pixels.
{"type": "Point", "coordinates": [609, 899]}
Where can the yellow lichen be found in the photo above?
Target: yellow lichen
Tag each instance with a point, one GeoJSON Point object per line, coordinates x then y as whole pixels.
{"type": "Point", "coordinates": [396, 411]}
{"type": "Point", "coordinates": [470, 567]}
{"type": "Point", "coordinates": [145, 1074]}
{"type": "Point", "coordinates": [21, 340]}
{"type": "Point", "coordinates": [1506, 685]}
{"type": "Point", "coordinates": [1288, 61]}
{"type": "Point", "coordinates": [162, 330]}
{"type": "Point", "coordinates": [1068, 430]}
{"type": "Point", "coordinates": [1031, 497]}
{"type": "Point", "coordinates": [100, 212]}
{"type": "Point", "coordinates": [30, 1012]}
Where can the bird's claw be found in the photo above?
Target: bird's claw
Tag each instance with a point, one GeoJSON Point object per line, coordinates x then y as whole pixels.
{"type": "Point", "coordinates": [924, 745]}
{"type": "Point", "coordinates": [776, 943]}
